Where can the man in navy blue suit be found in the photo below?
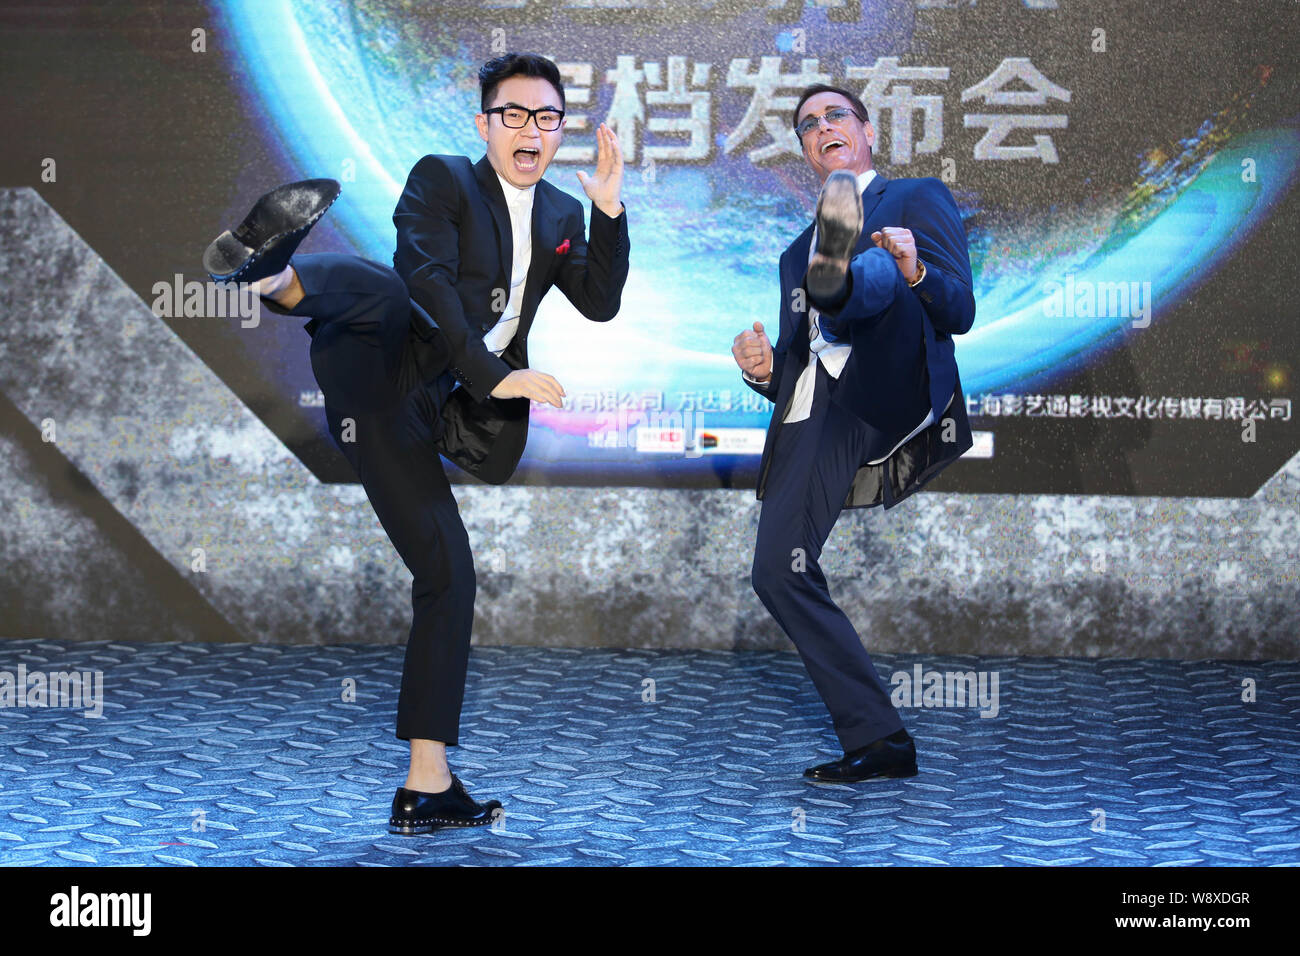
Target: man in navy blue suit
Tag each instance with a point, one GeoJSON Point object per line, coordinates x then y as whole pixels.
{"type": "Point", "coordinates": [868, 406]}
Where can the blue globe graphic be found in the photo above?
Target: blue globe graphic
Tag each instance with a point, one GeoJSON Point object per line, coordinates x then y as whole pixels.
{"type": "Point", "coordinates": [361, 90]}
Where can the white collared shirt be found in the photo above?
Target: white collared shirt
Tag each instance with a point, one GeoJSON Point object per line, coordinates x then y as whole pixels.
{"type": "Point", "coordinates": [519, 202]}
{"type": "Point", "coordinates": [833, 355]}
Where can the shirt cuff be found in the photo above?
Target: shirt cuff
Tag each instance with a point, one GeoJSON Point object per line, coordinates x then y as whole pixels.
{"type": "Point", "coordinates": [925, 274]}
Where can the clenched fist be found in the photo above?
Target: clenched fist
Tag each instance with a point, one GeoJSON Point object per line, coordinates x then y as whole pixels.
{"type": "Point", "coordinates": [901, 244]}
{"type": "Point", "coordinates": [753, 353]}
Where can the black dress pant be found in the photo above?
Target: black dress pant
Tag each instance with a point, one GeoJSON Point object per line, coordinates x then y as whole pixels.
{"type": "Point", "coordinates": [383, 415]}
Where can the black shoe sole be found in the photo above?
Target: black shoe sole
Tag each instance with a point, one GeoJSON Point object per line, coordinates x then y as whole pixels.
{"type": "Point", "coordinates": [839, 225]}
{"type": "Point", "coordinates": [277, 223]}
{"type": "Point", "coordinates": [401, 828]}
{"type": "Point", "coordinates": [896, 772]}
{"type": "Point", "coordinates": [418, 828]}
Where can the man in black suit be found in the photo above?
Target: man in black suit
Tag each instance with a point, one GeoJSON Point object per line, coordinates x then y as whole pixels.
{"type": "Point", "coordinates": [432, 356]}
{"type": "Point", "coordinates": [868, 405]}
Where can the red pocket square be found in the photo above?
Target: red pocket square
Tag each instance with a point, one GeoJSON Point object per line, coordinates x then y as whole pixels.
{"type": "Point", "coordinates": [562, 248]}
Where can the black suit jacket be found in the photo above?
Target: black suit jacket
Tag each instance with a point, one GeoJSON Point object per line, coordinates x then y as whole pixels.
{"type": "Point", "coordinates": [903, 346]}
{"type": "Point", "coordinates": [454, 251]}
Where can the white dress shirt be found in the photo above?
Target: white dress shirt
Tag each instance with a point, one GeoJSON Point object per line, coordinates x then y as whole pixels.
{"type": "Point", "coordinates": [520, 204]}
{"type": "Point", "coordinates": [833, 355]}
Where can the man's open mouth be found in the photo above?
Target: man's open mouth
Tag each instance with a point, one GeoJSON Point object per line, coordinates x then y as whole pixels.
{"type": "Point", "coordinates": [833, 144]}
{"type": "Point", "coordinates": [527, 158]}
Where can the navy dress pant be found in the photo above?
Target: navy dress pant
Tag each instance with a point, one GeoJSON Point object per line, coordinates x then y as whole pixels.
{"type": "Point", "coordinates": [812, 468]}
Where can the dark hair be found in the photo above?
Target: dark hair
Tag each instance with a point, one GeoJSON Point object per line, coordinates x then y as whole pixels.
{"type": "Point", "coordinates": [859, 110]}
{"type": "Point", "coordinates": [492, 72]}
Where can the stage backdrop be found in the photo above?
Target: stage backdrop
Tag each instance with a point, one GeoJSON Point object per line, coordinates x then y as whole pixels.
{"type": "Point", "coordinates": [1126, 172]}
{"type": "Point", "coordinates": [1104, 186]}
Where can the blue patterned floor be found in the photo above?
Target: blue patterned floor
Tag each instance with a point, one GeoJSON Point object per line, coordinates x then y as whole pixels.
{"type": "Point", "coordinates": [241, 754]}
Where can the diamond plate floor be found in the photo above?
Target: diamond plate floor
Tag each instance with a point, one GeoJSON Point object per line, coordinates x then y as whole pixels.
{"type": "Point", "coordinates": [248, 754]}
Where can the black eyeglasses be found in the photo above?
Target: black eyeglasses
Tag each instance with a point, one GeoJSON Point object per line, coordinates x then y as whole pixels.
{"type": "Point", "coordinates": [516, 117]}
{"type": "Point", "coordinates": [834, 116]}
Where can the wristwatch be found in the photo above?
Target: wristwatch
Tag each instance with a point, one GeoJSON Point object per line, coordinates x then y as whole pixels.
{"type": "Point", "coordinates": [920, 274]}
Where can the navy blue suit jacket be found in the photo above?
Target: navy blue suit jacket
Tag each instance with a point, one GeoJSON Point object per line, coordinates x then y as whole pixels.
{"type": "Point", "coordinates": [903, 360]}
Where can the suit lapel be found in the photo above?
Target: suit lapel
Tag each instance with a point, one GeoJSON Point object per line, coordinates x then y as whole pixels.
{"type": "Point", "coordinates": [496, 202]}
{"type": "Point", "coordinates": [870, 200]}
{"type": "Point", "coordinates": [795, 265]}
{"type": "Point", "coordinates": [544, 242]}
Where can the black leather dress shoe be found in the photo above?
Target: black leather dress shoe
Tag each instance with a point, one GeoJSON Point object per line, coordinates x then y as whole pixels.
{"type": "Point", "coordinates": [839, 224]}
{"type": "Point", "coordinates": [261, 245]}
{"type": "Point", "coordinates": [892, 756]}
{"type": "Point", "coordinates": [415, 811]}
